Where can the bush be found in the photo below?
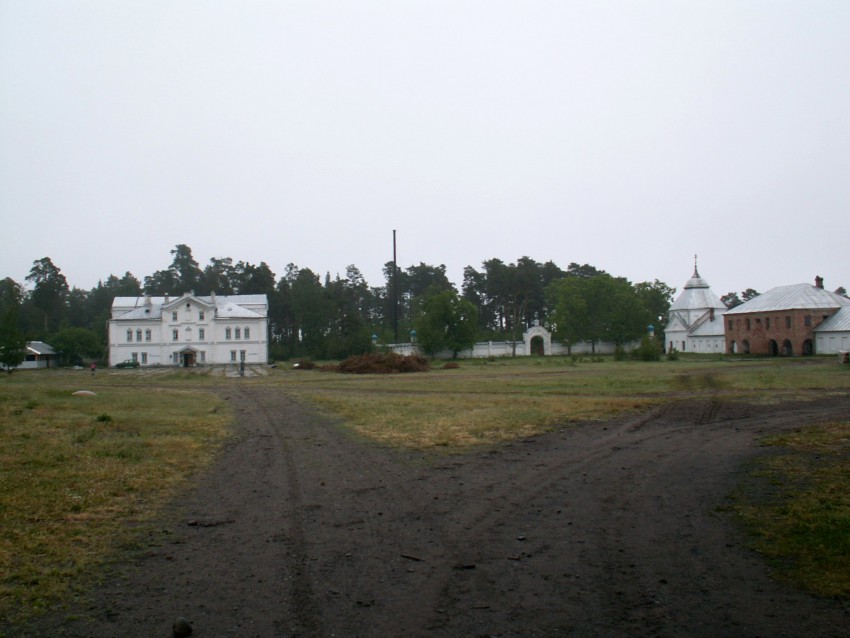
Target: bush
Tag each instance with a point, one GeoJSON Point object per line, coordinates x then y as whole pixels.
{"type": "Point", "coordinates": [648, 350]}
{"type": "Point", "coordinates": [304, 364]}
{"type": "Point", "coordinates": [673, 355]}
{"type": "Point", "coordinates": [383, 363]}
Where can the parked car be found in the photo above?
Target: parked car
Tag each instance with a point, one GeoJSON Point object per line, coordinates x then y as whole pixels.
{"type": "Point", "coordinates": [129, 363]}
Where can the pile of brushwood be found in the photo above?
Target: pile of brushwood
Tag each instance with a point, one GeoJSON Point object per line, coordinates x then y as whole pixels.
{"type": "Point", "coordinates": [383, 363]}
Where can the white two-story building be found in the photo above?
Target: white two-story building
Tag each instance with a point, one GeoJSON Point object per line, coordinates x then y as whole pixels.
{"type": "Point", "coordinates": [189, 330]}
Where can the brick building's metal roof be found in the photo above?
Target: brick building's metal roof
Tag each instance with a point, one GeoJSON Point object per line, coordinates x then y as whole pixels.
{"type": "Point", "coordinates": [839, 322]}
{"type": "Point", "coordinates": [793, 297]}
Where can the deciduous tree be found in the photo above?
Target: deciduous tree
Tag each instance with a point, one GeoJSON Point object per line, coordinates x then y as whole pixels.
{"type": "Point", "coordinates": [74, 345]}
{"type": "Point", "coordinates": [12, 341]}
{"type": "Point", "coordinates": [445, 322]}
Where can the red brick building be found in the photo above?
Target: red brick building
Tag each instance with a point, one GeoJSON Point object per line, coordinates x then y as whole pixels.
{"type": "Point", "coordinates": [782, 320]}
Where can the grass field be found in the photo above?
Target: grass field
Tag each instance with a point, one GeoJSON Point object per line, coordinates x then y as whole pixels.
{"type": "Point", "coordinates": [78, 473]}
{"type": "Point", "coordinates": [489, 401]}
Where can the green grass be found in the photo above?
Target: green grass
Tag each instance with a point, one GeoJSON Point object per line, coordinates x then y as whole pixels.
{"type": "Point", "coordinates": [75, 470]}
{"type": "Point", "coordinates": [796, 503]}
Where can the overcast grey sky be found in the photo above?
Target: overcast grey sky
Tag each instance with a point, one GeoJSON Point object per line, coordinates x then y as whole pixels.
{"type": "Point", "coordinates": [625, 134]}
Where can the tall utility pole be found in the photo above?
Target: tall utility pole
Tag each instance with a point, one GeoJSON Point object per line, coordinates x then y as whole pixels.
{"type": "Point", "coordinates": [395, 292]}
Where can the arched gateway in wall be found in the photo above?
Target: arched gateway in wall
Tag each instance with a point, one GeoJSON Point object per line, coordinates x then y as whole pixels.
{"type": "Point", "coordinates": [537, 340]}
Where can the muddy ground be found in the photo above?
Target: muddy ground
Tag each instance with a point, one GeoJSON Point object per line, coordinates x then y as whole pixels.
{"type": "Point", "coordinates": [615, 529]}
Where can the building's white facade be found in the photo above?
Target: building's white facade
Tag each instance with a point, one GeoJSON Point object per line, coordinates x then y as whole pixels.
{"type": "Point", "coordinates": [696, 319]}
{"type": "Point", "coordinates": [189, 330]}
{"type": "Point", "coordinates": [833, 335]}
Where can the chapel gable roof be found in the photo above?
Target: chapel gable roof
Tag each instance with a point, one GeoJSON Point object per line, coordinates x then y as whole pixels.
{"type": "Point", "coordinates": [676, 323]}
{"type": "Point", "coordinates": [708, 325]}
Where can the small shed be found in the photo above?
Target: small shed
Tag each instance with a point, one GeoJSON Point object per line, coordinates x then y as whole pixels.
{"type": "Point", "coordinates": [39, 355]}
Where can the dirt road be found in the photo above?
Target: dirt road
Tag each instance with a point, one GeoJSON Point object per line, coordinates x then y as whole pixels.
{"type": "Point", "coordinates": [302, 529]}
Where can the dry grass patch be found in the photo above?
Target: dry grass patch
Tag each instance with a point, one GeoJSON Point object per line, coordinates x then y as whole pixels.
{"type": "Point", "coordinates": [472, 405]}
{"type": "Point", "coordinates": [485, 402]}
{"type": "Point", "coordinates": [74, 471]}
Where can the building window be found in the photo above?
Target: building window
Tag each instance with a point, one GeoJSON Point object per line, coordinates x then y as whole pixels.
{"type": "Point", "coordinates": [242, 355]}
{"type": "Point", "coordinates": [730, 324]}
{"type": "Point", "coordinates": [129, 335]}
{"type": "Point", "coordinates": [200, 315]}
{"type": "Point", "coordinates": [201, 334]}
{"type": "Point", "coordinates": [176, 357]}
{"type": "Point", "coordinates": [203, 355]}
{"type": "Point", "coordinates": [787, 322]}
{"type": "Point", "coordinates": [748, 324]}
{"type": "Point", "coordinates": [148, 334]}
{"type": "Point", "coordinates": [227, 333]}
{"type": "Point", "coordinates": [139, 335]}
{"type": "Point", "coordinates": [238, 333]}
{"type": "Point", "coordinates": [767, 323]}
{"type": "Point", "coordinates": [808, 321]}
{"type": "Point", "coordinates": [233, 356]}
{"type": "Point", "coordinates": [174, 316]}
{"type": "Point", "coordinates": [247, 332]}
{"type": "Point", "coordinates": [144, 358]}
{"type": "Point", "coordinates": [134, 356]}
{"type": "Point", "coordinates": [175, 335]}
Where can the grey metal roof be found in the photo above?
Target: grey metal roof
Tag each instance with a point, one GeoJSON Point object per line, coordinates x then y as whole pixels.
{"type": "Point", "coordinates": [839, 322]}
{"type": "Point", "coordinates": [236, 311]}
{"type": "Point", "coordinates": [227, 306]}
{"type": "Point", "coordinates": [697, 295]}
{"type": "Point", "coordinates": [793, 297]}
{"type": "Point", "coordinates": [39, 347]}
{"type": "Point", "coordinates": [145, 312]}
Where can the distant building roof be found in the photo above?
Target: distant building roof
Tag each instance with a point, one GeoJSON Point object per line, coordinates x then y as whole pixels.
{"type": "Point", "coordinates": [39, 347]}
{"type": "Point", "coordinates": [839, 322]}
{"type": "Point", "coordinates": [793, 297]}
{"type": "Point", "coordinates": [226, 306]}
{"type": "Point", "coordinates": [697, 295]}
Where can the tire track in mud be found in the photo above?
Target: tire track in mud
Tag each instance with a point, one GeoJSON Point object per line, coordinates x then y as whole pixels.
{"type": "Point", "coordinates": [306, 613]}
{"type": "Point", "coordinates": [637, 535]}
{"type": "Point", "coordinates": [574, 531]}
{"type": "Point", "coordinates": [359, 513]}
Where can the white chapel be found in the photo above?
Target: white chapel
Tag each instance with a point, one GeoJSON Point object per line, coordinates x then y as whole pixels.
{"type": "Point", "coordinates": [696, 319]}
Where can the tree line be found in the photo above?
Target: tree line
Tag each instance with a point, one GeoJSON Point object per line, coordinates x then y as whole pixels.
{"type": "Point", "coordinates": [326, 317]}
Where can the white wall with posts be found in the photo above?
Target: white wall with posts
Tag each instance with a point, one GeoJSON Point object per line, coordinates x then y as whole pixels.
{"type": "Point", "coordinates": [535, 340]}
